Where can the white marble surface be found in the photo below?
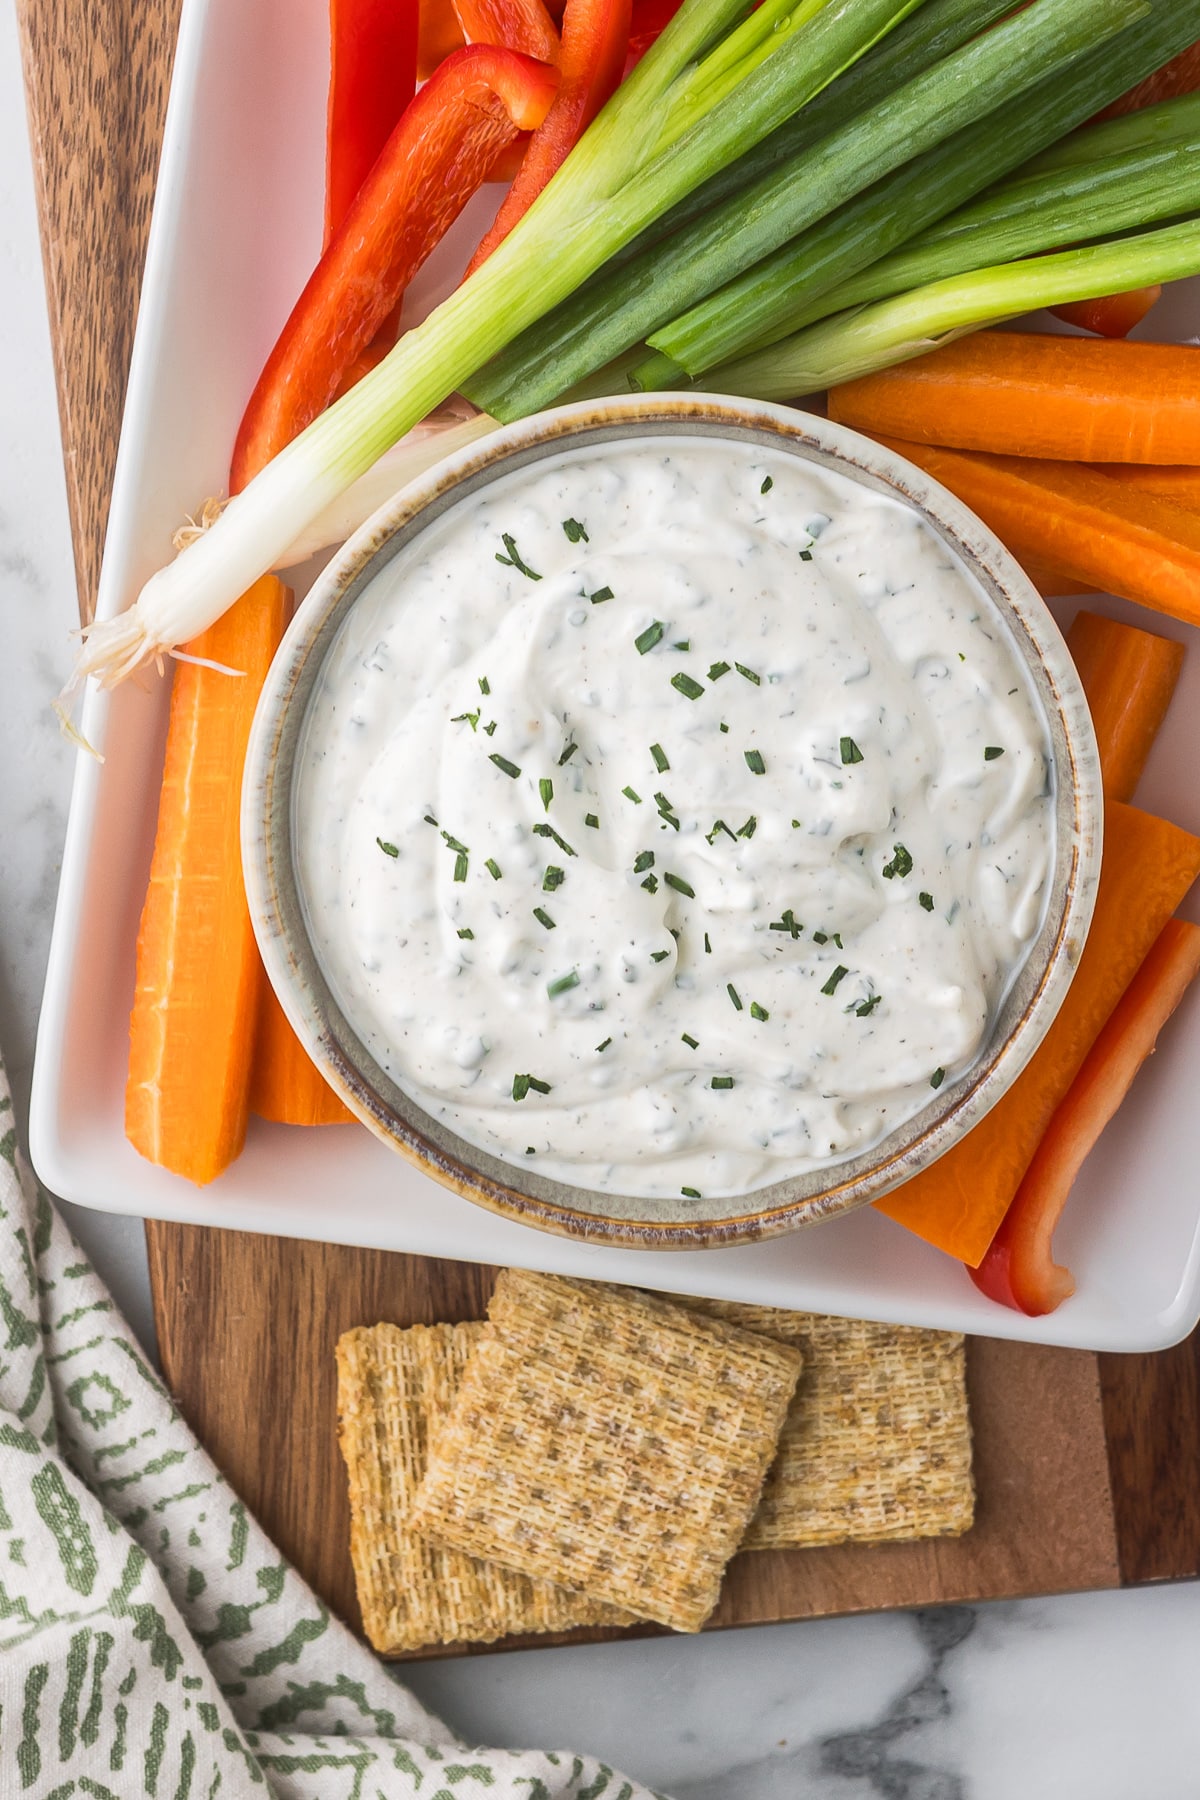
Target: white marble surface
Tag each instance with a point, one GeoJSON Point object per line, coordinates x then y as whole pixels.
{"type": "Point", "coordinates": [1090, 1698]}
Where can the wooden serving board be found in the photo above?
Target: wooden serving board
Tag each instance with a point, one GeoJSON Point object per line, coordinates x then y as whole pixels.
{"type": "Point", "coordinates": [1088, 1467]}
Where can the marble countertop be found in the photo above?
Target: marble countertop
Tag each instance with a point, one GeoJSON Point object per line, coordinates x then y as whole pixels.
{"type": "Point", "coordinates": [1092, 1696]}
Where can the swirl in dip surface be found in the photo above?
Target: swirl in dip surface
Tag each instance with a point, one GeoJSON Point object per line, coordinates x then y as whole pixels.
{"type": "Point", "coordinates": [673, 816]}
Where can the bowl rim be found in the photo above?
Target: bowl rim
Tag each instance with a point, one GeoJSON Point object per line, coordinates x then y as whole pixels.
{"type": "Point", "coordinates": [519, 1193]}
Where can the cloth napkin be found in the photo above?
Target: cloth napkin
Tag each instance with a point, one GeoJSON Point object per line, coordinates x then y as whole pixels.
{"type": "Point", "coordinates": [152, 1639]}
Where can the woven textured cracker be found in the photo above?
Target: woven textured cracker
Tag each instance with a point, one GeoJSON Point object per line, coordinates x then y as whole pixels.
{"type": "Point", "coordinates": [877, 1443]}
{"type": "Point", "coordinates": [606, 1440]}
{"type": "Point", "coordinates": [394, 1388]}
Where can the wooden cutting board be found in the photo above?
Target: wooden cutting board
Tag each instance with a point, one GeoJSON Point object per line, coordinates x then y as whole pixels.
{"type": "Point", "coordinates": [1088, 1467]}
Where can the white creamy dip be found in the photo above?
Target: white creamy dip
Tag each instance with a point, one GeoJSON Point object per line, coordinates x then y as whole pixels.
{"type": "Point", "coordinates": [674, 817]}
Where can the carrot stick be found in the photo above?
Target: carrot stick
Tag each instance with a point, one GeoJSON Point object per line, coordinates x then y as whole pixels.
{"type": "Point", "coordinates": [1180, 484]}
{"type": "Point", "coordinates": [959, 1201]}
{"type": "Point", "coordinates": [1051, 584]}
{"type": "Point", "coordinates": [1129, 677]}
{"type": "Point", "coordinates": [1019, 1269]}
{"type": "Point", "coordinates": [1069, 399]}
{"type": "Point", "coordinates": [1092, 528]}
{"type": "Point", "coordinates": [191, 1033]}
{"type": "Point", "coordinates": [285, 1084]}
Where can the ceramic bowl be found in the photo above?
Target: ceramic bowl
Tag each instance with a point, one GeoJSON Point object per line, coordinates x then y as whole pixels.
{"type": "Point", "coordinates": [576, 1211]}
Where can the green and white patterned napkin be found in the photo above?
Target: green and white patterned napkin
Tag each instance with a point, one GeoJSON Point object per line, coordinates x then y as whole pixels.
{"type": "Point", "coordinates": [153, 1642]}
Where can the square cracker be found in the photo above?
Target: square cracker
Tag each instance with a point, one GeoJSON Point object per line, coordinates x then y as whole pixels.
{"type": "Point", "coordinates": [610, 1442]}
{"type": "Point", "coordinates": [394, 1389]}
{"type": "Point", "coordinates": [877, 1443]}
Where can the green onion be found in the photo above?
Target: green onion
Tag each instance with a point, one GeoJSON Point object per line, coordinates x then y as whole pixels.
{"type": "Point", "coordinates": [567, 754]}
{"type": "Point", "coordinates": [542, 830]}
{"type": "Point", "coordinates": [850, 751]}
{"type": "Point", "coordinates": [686, 685]}
{"type": "Point", "coordinates": [720, 825]}
{"type": "Point", "coordinates": [717, 669]}
{"type": "Point", "coordinates": [388, 849]}
{"type": "Point", "coordinates": [659, 955]}
{"type": "Point", "coordinates": [471, 718]}
{"type": "Point", "coordinates": [523, 1083]}
{"type": "Point", "coordinates": [758, 1012]}
{"type": "Point", "coordinates": [460, 867]}
{"type": "Point", "coordinates": [875, 337]}
{"type": "Point", "coordinates": [749, 828]}
{"type": "Point", "coordinates": [493, 868]}
{"type": "Point", "coordinates": [642, 861]}
{"type": "Point", "coordinates": [991, 752]}
{"type": "Point", "coordinates": [721, 1081]}
{"type": "Point", "coordinates": [513, 559]}
{"type": "Point", "coordinates": [503, 764]}
{"type": "Point", "coordinates": [485, 686]}
{"type": "Point", "coordinates": [600, 595]}
{"type": "Point", "coordinates": [901, 863]}
{"type": "Point", "coordinates": [660, 758]}
{"type": "Point", "coordinates": [767, 485]}
{"type": "Point", "coordinates": [563, 984]}
{"type": "Point", "coordinates": [937, 1078]}
{"type": "Point", "coordinates": [748, 673]}
{"type": "Point", "coordinates": [866, 1007]}
{"type": "Point", "coordinates": [552, 879]}
{"type": "Point", "coordinates": [787, 923]}
{"type": "Point", "coordinates": [543, 918]}
{"type": "Point", "coordinates": [690, 1193]}
{"type": "Point", "coordinates": [603, 1046]}
{"type": "Point", "coordinates": [653, 634]}
{"type": "Point", "coordinates": [691, 1042]}
{"type": "Point", "coordinates": [651, 884]}
{"type": "Point", "coordinates": [734, 996]}
{"type": "Point", "coordinates": [592, 820]}
{"type": "Point", "coordinates": [926, 901]}
{"type": "Point", "coordinates": [754, 762]}
{"type": "Point", "coordinates": [679, 884]}
{"type": "Point", "coordinates": [839, 974]}
{"type": "Point", "coordinates": [466, 932]}
{"type": "Point", "coordinates": [630, 795]}
{"type": "Point", "coordinates": [576, 533]}
{"type": "Point", "coordinates": [546, 790]}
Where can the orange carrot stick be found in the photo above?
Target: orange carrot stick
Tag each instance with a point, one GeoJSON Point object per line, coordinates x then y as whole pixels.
{"type": "Point", "coordinates": [1129, 677]}
{"type": "Point", "coordinates": [1019, 1269]}
{"type": "Point", "coordinates": [959, 1202]}
{"type": "Point", "coordinates": [191, 1033]}
{"type": "Point", "coordinates": [1087, 525]}
{"type": "Point", "coordinates": [1051, 584]}
{"type": "Point", "coordinates": [1180, 484]}
{"type": "Point", "coordinates": [1068, 399]}
{"type": "Point", "coordinates": [285, 1085]}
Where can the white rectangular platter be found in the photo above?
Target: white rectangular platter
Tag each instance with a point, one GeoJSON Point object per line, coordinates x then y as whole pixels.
{"type": "Point", "coordinates": [236, 230]}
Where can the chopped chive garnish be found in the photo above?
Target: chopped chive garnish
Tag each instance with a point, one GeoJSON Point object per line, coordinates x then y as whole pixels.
{"type": "Point", "coordinates": [757, 1011]}
{"type": "Point", "coordinates": [754, 762]}
{"type": "Point", "coordinates": [567, 754]}
{"type": "Point", "coordinates": [707, 945]}
{"type": "Point", "coordinates": [429, 818]}
{"type": "Point", "coordinates": [839, 974]}
{"type": "Point", "coordinates": [502, 762]}
{"type": "Point", "coordinates": [806, 556]}
{"type": "Point", "coordinates": [659, 955]}
{"type": "Point", "coordinates": [460, 867]}
{"type": "Point", "coordinates": [452, 843]}
{"type": "Point", "coordinates": [646, 640]}
{"type": "Point", "coordinates": [749, 828]}
{"type": "Point", "coordinates": [901, 863]}
{"type": "Point", "coordinates": [682, 644]}
{"type": "Point", "coordinates": [472, 719]}
{"type": "Point", "coordinates": [866, 1007]}
{"type": "Point", "coordinates": [734, 996]}
{"type": "Point", "coordinates": [992, 752]}
{"type": "Point", "coordinates": [600, 595]}
{"type": "Point", "coordinates": [716, 670]}
{"type": "Point", "coordinates": [767, 485]}
{"type": "Point", "coordinates": [630, 795]}
{"type": "Point", "coordinates": [543, 917]}
{"type": "Point", "coordinates": [787, 923]}
{"type": "Point", "coordinates": [592, 820]}
{"type": "Point", "coordinates": [466, 932]}
{"type": "Point", "coordinates": [721, 1081]}
{"type": "Point", "coordinates": [576, 533]}
{"type": "Point", "coordinates": [553, 878]}
{"type": "Point", "coordinates": [927, 902]}
{"type": "Point", "coordinates": [723, 726]}
{"type": "Point", "coordinates": [541, 829]}
{"type": "Point", "coordinates": [603, 1046]}
{"type": "Point", "coordinates": [937, 1078]}
{"type": "Point", "coordinates": [546, 790]}
{"type": "Point", "coordinates": [837, 938]}
{"type": "Point", "coordinates": [720, 825]}
{"type": "Point", "coordinates": [493, 868]}
{"type": "Point", "coordinates": [651, 884]}
{"type": "Point", "coordinates": [691, 1042]}
{"type": "Point", "coordinates": [660, 758]}
{"type": "Point", "coordinates": [529, 1150]}
{"type": "Point", "coordinates": [523, 1083]}
{"type": "Point", "coordinates": [490, 728]}
{"type": "Point", "coordinates": [691, 1193]}
{"type": "Point", "coordinates": [388, 849]}
{"type": "Point", "coordinates": [485, 686]}
{"type": "Point", "coordinates": [666, 809]}
{"type": "Point", "coordinates": [684, 684]}
{"type": "Point", "coordinates": [563, 984]}
{"type": "Point", "coordinates": [796, 825]}
{"type": "Point", "coordinates": [820, 937]}
{"type": "Point", "coordinates": [748, 673]}
{"type": "Point", "coordinates": [679, 884]}
{"type": "Point", "coordinates": [850, 751]}
{"type": "Point", "coordinates": [514, 559]}
{"type": "Point", "coordinates": [642, 861]}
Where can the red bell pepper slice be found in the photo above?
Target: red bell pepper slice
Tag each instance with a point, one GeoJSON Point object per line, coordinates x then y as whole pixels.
{"type": "Point", "coordinates": [372, 78]}
{"type": "Point", "coordinates": [439, 34]}
{"type": "Point", "coordinates": [648, 21]}
{"type": "Point", "coordinates": [1115, 316]}
{"type": "Point", "coordinates": [437, 156]}
{"type": "Point", "coordinates": [595, 37]}
{"type": "Point", "coordinates": [523, 25]}
{"type": "Point", "coordinates": [1019, 1269]}
{"type": "Point", "coordinates": [1180, 76]}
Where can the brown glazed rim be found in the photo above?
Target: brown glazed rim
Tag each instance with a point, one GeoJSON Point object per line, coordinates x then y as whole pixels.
{"type": "Point", "coordinates": [561, 1207]}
